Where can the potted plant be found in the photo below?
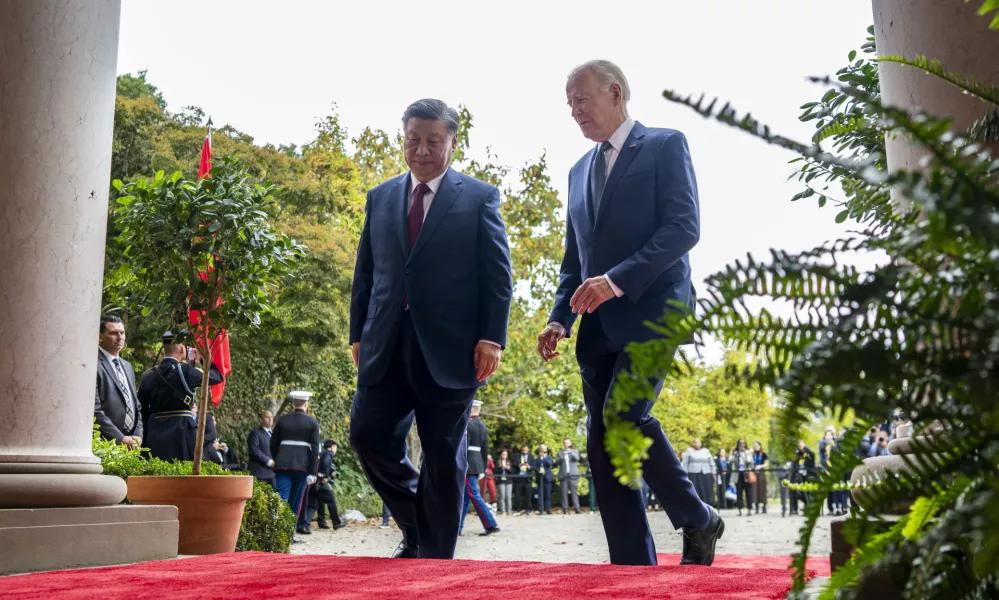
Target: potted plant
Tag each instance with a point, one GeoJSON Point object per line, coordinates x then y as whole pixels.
{"type": "Point", "coordinates": [202, 251]}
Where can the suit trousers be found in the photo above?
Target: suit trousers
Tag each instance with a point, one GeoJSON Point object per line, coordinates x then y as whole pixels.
{"type": "Point", "coordinates": [629, 538]}
{"type": "Point", "coordinates": [522, 493]}
{"type": "Point", "coordinates": [426, 504]}
{"type": "Point", "coordinates": [545, 495]}
{"type": "Point", "coordinates": [568, 485]}
{"type": "Point", "coordinates": [331, 507]}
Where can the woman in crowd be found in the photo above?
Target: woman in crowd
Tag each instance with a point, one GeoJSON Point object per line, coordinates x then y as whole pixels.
{"type": "Point", "coordinates": [504, 482]}
{"type": "Point", "coordinates": [741, 464]}
{"type": "Point", "coordinates": [701, 469]}
{"type": "Point", "coordinates": [760, 464]}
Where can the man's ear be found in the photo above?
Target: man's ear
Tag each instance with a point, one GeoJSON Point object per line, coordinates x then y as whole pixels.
{"type": "Point", "coordinates": [615, 90]}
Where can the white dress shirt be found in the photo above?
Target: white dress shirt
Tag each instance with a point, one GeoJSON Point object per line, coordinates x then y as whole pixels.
{"type": "Point", "coordinates": [617, 140]}
{"type": "Point", "coordinates": [434, 185]}
{"type": "Point", "coordinates": [111, 358]}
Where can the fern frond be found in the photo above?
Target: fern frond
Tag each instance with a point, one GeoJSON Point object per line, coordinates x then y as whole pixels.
{"type": "Point", "coordinates": [986, 129]}
{"type": "Point", "coordinates": [841, 126]}
{"type": "Point", "coordinates": [970, 85]}
{"type": "Point", "coordinates": [987, 7]}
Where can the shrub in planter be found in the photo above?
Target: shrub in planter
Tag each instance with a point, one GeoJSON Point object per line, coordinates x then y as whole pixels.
{"type": "Point", "coordinates": [267, 525]}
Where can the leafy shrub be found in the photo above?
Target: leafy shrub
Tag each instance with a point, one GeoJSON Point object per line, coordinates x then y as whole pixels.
{"type": "Point", "coordinates": [268, 523]}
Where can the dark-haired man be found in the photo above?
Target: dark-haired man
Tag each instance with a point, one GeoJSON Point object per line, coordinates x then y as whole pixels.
{"type": "Point", "coordinates": [428, 319]}
{"type": "Point", "coordinates": [116, 405]}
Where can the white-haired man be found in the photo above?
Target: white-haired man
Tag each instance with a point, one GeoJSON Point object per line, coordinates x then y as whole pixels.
{"type": "Point", "coordinates": [632, 219]}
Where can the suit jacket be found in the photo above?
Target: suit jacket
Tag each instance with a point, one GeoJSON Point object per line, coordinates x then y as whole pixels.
{"type": "Point", "coordinates": [573, 468]}
{"type": "Point", "coordinates": [546, 464]}
{"type": "Point", "coordinates": [647, 223]}
{"type": "Point", "coordinates": [110, 399]}
{"type": "Point", "coordinates": [523, 464]}
{"type": "Point", "coordinates": [478, 446]}
{"type": "Point", "coordinates": [302, 454]}
{"type": "Point", "coordinates": [258, 444]}
{"type": "Point", "coordinates": [456, 280]}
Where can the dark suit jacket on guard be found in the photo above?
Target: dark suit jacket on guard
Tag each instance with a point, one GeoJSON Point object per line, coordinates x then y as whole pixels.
{"type": "Point", "coordinates": [259, 447]}
{"type": "Point", "coordinates": [648, 222]}
{"type": "Point", "coordinates": [457, 279]}
{"type": "Point", "coordinates": [110, 398]}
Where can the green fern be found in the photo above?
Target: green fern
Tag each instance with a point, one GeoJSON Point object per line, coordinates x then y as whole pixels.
{"type": "Point", "coordinates": [989, 6]}
{"type": "Point", "coordinates": [970, 85]}
{"type": "Point", "coordinates": [841, 126]}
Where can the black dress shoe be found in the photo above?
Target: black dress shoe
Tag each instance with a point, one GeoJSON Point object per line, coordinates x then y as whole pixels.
{"type": "Point", "coordinates": [699, 544]}
{"type": "Point", "coordinates": [405, 551]}
{"type": "Point", "coordinates": [339, 526]}
{"type": "Point", "coordinates": [304, 530]}
{"type": "Point", "coordinates": [490, 531]}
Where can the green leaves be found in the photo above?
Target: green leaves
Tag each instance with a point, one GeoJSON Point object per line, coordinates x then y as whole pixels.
{"type": "Point", "coordinates": [918, 332]}
{"type": "Point", "coordinates": [988, 7]}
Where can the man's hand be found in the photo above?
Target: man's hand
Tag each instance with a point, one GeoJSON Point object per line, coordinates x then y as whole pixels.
{"type": "Point", "coordinates": [130, 442]}
{"type": "Point", "coordinates": [355, 349]}
{"type": "Point", "coordinates": [548, 341]}
{"type": "Point", "coordinates": [487, 358]}
{"type": "Point", "coordinates": [594, 292]}
{"type": "Point", "coordinates": [270, 463]}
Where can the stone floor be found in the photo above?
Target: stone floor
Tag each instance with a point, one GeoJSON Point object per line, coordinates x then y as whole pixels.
{"type": "Point", "coordinates": [571, 538]}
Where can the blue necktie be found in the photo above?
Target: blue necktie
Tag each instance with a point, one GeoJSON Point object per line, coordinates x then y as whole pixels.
{"type": "Point", "coordinates": [598, 178]}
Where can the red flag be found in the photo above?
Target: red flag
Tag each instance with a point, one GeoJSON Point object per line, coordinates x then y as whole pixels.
{"type": "Point", "coordinates": [220, 345]}
{"type": "Point", "coordinates": [205, 164]}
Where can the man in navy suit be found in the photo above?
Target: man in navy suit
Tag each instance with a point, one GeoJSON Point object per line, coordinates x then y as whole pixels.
{"type": "Point", "coordinates": [428, 319]}
{"type": "Point", "coordinates": [632, 219]}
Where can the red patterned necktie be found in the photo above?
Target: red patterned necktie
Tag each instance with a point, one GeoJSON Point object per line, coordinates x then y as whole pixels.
{"type": "Point", "coordinates": [416, 221]}
{"type": "Point", "coordinates": [416, 213]}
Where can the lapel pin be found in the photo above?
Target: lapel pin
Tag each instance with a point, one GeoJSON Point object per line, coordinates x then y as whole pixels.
{"type": "Point", "coordinates": [633, 146]}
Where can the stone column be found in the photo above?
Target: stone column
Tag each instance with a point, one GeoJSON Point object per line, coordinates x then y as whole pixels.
{"type": "Point", "coordinates": [57, 90]}
{"type": "Point", "coordinates": [948, 31]}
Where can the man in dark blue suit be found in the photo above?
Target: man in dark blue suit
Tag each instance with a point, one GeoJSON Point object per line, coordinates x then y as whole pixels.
{"type": "Point", "coordinates": [632, 219]}
{"type": "Point", "coordinates": [428, 319]}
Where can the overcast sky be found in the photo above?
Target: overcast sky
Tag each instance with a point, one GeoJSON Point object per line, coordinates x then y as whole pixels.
{"type": "Point", "coordinates": [271, 69]}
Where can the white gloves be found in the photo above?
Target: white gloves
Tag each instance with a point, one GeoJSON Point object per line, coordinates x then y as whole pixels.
{"type": "Point", "coordinates": [270, 463]}
{"type": "Point", "coordinates": [310, 479]}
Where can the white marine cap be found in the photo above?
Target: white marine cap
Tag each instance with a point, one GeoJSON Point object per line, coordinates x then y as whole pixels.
{"type": "Point", "coordinates": [299, 396]}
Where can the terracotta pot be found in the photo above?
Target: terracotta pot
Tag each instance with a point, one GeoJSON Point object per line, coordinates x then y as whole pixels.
{"type": "Point", "coordinates": [209, 507]}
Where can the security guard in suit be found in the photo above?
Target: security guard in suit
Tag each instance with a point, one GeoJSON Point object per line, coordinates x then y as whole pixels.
{"type": "Point", "coordinates": [295, 449]}
{"type": "Point", "coordinates": [169, 392]}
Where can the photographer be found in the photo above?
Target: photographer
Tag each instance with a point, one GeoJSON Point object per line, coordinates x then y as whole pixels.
{"type": "Point", "coordinates": [880, 446]}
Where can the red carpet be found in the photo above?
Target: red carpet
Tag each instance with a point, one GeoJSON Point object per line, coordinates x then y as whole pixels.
{"type": "Point", "coordinates": [257, 575]}
{"type": "Point", "coordinates": [818, 564]}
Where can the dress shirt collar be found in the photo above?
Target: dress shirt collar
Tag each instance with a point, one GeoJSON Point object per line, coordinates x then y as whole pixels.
{"type": "Point", "coordinates": [620, 136]}
{"type": "Point", "coordinates": [107, 355]}
{"type": "Point", "coordinates": [434, 184]}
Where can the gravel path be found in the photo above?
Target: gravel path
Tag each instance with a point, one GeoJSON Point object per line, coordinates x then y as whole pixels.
{"type": "Point", "coordinates": [570, 538]}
